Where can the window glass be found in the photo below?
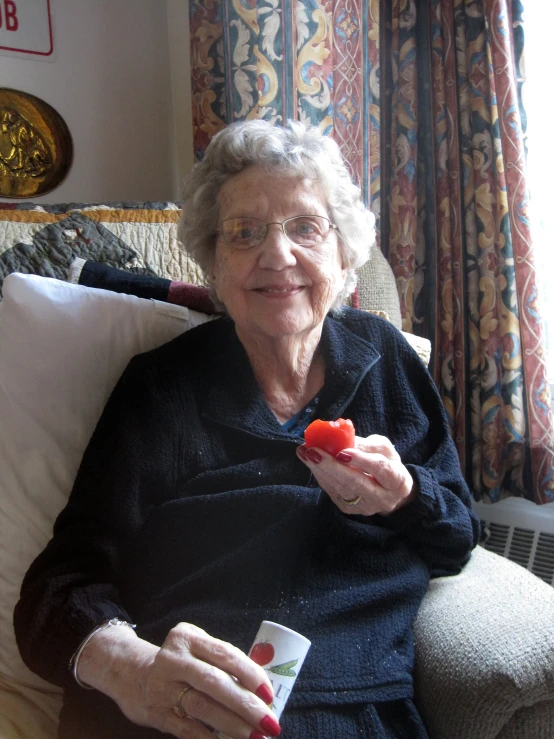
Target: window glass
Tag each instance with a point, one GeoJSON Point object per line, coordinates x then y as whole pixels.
{"type": "Point", "coordinates": [539, 106]}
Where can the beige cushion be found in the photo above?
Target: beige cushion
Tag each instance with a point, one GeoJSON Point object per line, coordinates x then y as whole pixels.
{"type": "Point", "coordinates": [377, 287]}
{"type": "Point", "coordinates": [536, 722]}
{"type": "Point", "coordinates": [485, 653]}
{"type": "Point", "coordinates": [421, 345]}
{"type": "Point", "coordinates": [63, 348]}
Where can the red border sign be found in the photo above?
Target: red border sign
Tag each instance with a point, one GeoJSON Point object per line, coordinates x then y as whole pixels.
{"type": "Point", "coordinates": [32, 51]}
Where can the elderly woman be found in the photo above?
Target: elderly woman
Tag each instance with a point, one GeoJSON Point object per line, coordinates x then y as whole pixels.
{"type": "Point", "coordinates": [198, 511]}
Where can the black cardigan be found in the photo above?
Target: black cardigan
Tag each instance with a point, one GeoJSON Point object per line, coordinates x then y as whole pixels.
{"type": "Point", "coordinates": [191, 505]}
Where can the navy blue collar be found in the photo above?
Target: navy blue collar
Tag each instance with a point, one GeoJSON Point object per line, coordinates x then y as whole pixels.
{"type": "Point", "coordinates": [234, 398]}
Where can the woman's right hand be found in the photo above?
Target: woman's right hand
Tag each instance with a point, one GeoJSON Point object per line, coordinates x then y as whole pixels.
{"type": "Point", "coordinates": [216, 685]}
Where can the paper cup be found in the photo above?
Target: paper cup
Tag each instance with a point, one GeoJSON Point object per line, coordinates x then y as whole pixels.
{"type": "Point", "coordinates": [281, 652]}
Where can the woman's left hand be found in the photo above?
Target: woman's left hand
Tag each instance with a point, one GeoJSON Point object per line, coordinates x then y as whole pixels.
{"type": "Point", "coordinates": [363, 480]}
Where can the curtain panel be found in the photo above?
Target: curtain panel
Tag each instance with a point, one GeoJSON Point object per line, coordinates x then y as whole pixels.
{"type": "Point", "coordinates": [424, 100]}
{"type": "Point", "coordinates": [289, 59]}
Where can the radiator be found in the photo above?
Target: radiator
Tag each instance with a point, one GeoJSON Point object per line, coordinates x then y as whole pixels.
{"type": "Point", "coordinates": [521, 531]}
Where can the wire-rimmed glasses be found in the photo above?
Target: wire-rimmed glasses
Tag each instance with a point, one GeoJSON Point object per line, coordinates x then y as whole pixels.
{"type": "Point", "coordinates": [244, 232]}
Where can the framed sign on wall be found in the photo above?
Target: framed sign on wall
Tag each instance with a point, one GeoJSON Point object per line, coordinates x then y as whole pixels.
{"type": "Point", "coordinates": [26, 29]}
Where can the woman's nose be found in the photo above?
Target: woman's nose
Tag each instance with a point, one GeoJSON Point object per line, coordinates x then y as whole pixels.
{"type": "Point", "coordinates": [277, 250]}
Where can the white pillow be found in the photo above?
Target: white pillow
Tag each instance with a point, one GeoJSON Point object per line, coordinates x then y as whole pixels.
{"type": "Point", "coordinates": [62, 349]}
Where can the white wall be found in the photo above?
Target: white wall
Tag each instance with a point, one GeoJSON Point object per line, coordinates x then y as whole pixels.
{"type": "Point", "coordinates": [112, 84]}
{"type": "Point", "coordinates": [179, 57]}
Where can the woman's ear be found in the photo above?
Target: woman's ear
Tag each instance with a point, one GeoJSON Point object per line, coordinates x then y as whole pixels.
{"type": "Point", "coordinates": [211, 277]}
{"type": "Point", "coordinates": [343, 268]}
{"type": "Point", "coordinates": [209, 272]}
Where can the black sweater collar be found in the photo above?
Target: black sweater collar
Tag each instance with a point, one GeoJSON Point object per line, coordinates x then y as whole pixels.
{"type": "Point", "coordinates": [234, 396]}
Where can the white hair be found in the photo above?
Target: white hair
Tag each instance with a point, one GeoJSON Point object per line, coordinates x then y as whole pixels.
{"type": "Point", "coordinates": [294, 150]}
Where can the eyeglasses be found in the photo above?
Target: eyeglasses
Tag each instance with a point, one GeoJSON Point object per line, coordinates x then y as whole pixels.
{"type": "Point", "coordinates": [245, 233]}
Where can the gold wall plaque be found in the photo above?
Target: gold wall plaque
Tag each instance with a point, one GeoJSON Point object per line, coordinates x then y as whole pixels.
{"type": "Point", "coordinates": [36, 149]}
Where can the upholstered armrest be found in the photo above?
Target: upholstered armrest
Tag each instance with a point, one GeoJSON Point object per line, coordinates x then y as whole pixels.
{"type": "Point", "coordinates": [485, 653]}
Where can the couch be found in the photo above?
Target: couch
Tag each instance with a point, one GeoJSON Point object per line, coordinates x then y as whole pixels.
{"type": "Point", "coordinates": [484, 639]}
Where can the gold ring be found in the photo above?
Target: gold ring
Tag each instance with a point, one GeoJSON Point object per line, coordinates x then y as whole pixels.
{"type": "Point", "coordinates": [178, 709]}
{"type": "Point", "coordinates": [354, 501]}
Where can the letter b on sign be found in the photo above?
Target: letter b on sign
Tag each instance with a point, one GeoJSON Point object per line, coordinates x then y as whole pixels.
{"type": "Point", "coordinates": [8, 19]}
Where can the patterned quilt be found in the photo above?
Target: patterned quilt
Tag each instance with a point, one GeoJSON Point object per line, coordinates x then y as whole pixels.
{"type": "Point", "coordinates": [138, 237]}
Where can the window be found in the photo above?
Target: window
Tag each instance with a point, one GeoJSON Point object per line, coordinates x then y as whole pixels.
{"type": "Point", "coordinates": [539, 106]}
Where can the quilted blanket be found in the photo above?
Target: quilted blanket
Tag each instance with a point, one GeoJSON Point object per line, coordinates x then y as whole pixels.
{"type": "Point", "coordinates": [138, 237]}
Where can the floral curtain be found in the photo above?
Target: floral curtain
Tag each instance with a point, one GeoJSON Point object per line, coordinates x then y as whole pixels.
{"type": "Point", "coordinates": [289, 59]}
{"type": "Point", "coordinates": [425, 102]}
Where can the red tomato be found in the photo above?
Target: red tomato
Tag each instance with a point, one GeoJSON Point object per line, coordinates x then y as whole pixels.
{"type": "Point", "coordinates": [262, 653]}
{"type": "Point", "coordinates": [331, 436]}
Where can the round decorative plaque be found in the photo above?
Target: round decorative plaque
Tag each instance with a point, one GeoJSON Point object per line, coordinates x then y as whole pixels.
{"type": "Point", "coordinates": [36, 148]}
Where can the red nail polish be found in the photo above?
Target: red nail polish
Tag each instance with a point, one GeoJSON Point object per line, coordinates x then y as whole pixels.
{"type": "Point", "coordinates": [344, 457]}
{"type": "Point", "coordinates": [270, 726]}
{"type": "Point", "coordinates": [256, 735]}
{"type": "Point", "coordinates": [265, 694]}
{"type": "Point", "coordinates": [301, 451]}
{"type": "Point", "coordinates": [313, 456]}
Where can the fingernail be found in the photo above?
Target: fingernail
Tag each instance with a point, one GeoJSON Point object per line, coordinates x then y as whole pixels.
{"type": "Point", "coordinates": [344, 457]}
{"type": "Point", "coordinates": [313, 456]}
{"type": "Point", "coordinates": [270, 726]}
{"type": "Point", "coordinates": [256, 735]}
{"type": "Point", "coordinates": [265, 693]}
{"type": "Point", "coordinates": [301, 451]}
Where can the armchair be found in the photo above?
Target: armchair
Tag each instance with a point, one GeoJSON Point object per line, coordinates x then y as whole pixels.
{"type": "Point", "coordinates": [484, 639]}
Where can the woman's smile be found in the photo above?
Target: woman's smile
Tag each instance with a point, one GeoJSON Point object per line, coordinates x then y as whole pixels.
{"type": "Point", "coordinates": [286, 291]}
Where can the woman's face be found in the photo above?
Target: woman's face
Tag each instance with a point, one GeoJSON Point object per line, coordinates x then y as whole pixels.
{"type": "Point", "coordinates": [276, 288]}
